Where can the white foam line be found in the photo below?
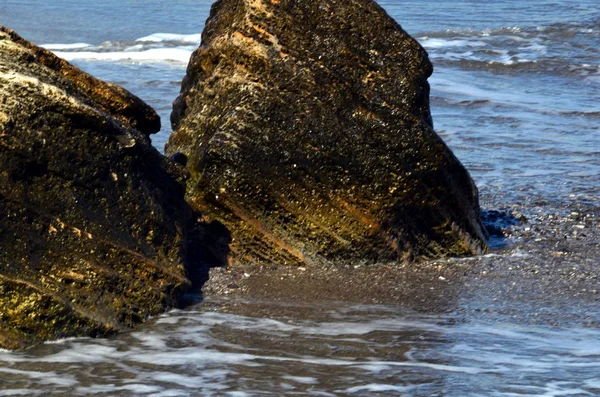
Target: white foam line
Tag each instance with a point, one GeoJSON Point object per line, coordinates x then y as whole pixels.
{"type": "Point", "coordinates": [171, 393]}
{"type": "Point", "coordinates": [19, 392]}
{"type": "Point", "coordinates": [57, 47]}
{"type": "Point", "coordinates": [322, 329]}
{"type": "Point", "coordinates": [438, 367]}
{"type": "Point", "coordinates": [194, 382]}
{"type": "Point", "coordinates": [376, 366]}
{"type": "Point", "coordinates": [180, 55]}
{"type": "Point", "coordinates": [430, 43]}
{"type": "Point", "coordinates": [192, 355]}
{"type": "Point", "coordinates": [302, 379]}
{"type": "Point", "coordinates": [134, 387]}
{"type": "Point", "coordinates": [44, 378]}
{"type": "Point", "coordinates": [593, 383]}
{"type": "Point", "coordinates": [158, 37]}
{"type": "Point", "coordinates": [376, 387]}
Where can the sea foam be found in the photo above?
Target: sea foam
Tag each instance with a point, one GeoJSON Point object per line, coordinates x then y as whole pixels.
{"type": "Point", "coordinates": [186, 38]}
{"type": "Point", "coordinates": [158, 47]}
{"type": "Point", "coordinates": [59, 47]}
{"type": "Point", "coordinates": [177, 55]}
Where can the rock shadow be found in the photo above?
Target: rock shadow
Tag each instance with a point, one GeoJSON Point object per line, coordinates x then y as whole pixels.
{"type": "Point", "coordinates": [499, 226]}
{"type": "Point", "coordinates": [208, 247]}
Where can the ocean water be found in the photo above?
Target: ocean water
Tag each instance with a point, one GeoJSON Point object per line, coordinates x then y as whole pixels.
{"type": "Point", "coordinates": [515, 94]}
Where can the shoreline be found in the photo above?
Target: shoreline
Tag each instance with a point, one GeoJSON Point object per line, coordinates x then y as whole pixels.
{"type": "Point", "coordinates": [547, 273]}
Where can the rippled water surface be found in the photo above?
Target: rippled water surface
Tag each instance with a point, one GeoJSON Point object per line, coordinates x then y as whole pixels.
{"type": "Point", "coordinates": [336, 350]}
{"type": "Point", "coordinates": [515, 94]}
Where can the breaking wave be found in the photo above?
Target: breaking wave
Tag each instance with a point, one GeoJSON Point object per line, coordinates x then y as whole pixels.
{"type": "Point", "coordinates": [158, 47]}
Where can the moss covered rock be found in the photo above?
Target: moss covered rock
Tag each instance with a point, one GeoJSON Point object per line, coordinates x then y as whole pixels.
{"type": "Point", "coordinates": [307, 132]}
{"type": "Point", "coordinates": [92, 217]}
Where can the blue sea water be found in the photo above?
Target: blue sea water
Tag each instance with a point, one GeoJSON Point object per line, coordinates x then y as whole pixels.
{"type": "Point", "coordinates": [515, 94]}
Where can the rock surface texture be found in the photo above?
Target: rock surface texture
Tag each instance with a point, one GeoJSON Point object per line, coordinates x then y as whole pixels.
{"type": "Point", "coordinates": [307, 131]}
{"type": "Point", "coordinates": [92, 217]}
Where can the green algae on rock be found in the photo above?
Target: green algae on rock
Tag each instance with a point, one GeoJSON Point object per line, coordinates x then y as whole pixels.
{"type": "Point", "coordinates": [307, 131]}
{"type": "Point", "coordinates": [92, 217]}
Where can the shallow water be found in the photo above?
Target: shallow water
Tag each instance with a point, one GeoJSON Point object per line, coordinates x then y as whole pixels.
{"type": "Point", "coordinates": [515, 94]}
{"type": "Point", "coordinates": [337, 350]}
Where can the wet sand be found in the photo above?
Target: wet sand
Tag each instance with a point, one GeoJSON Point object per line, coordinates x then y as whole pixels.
{"type": "Point", "coordinates": [543, 270]}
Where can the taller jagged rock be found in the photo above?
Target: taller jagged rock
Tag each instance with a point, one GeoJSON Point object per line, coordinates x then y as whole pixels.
{"type": "Point", "coordinates": [307, 131]}
{"type": "Point", "coordinates": [92, 217]}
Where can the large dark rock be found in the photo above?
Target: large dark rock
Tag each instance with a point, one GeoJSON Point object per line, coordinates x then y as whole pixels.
{"type": "Point", "coordinates": [92, 217]}
{"type": "Point", "coordinates": [307, 131]}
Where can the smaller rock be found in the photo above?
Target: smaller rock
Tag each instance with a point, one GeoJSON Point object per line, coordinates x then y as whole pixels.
{"type": "Point", "coordinates": [93, 221]}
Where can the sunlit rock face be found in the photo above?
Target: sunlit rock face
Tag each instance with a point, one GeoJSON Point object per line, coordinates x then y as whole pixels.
{"type": "Point", "coordinates": [308, 135]}
{"type": "Point", "coordinates": [92, 217]}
